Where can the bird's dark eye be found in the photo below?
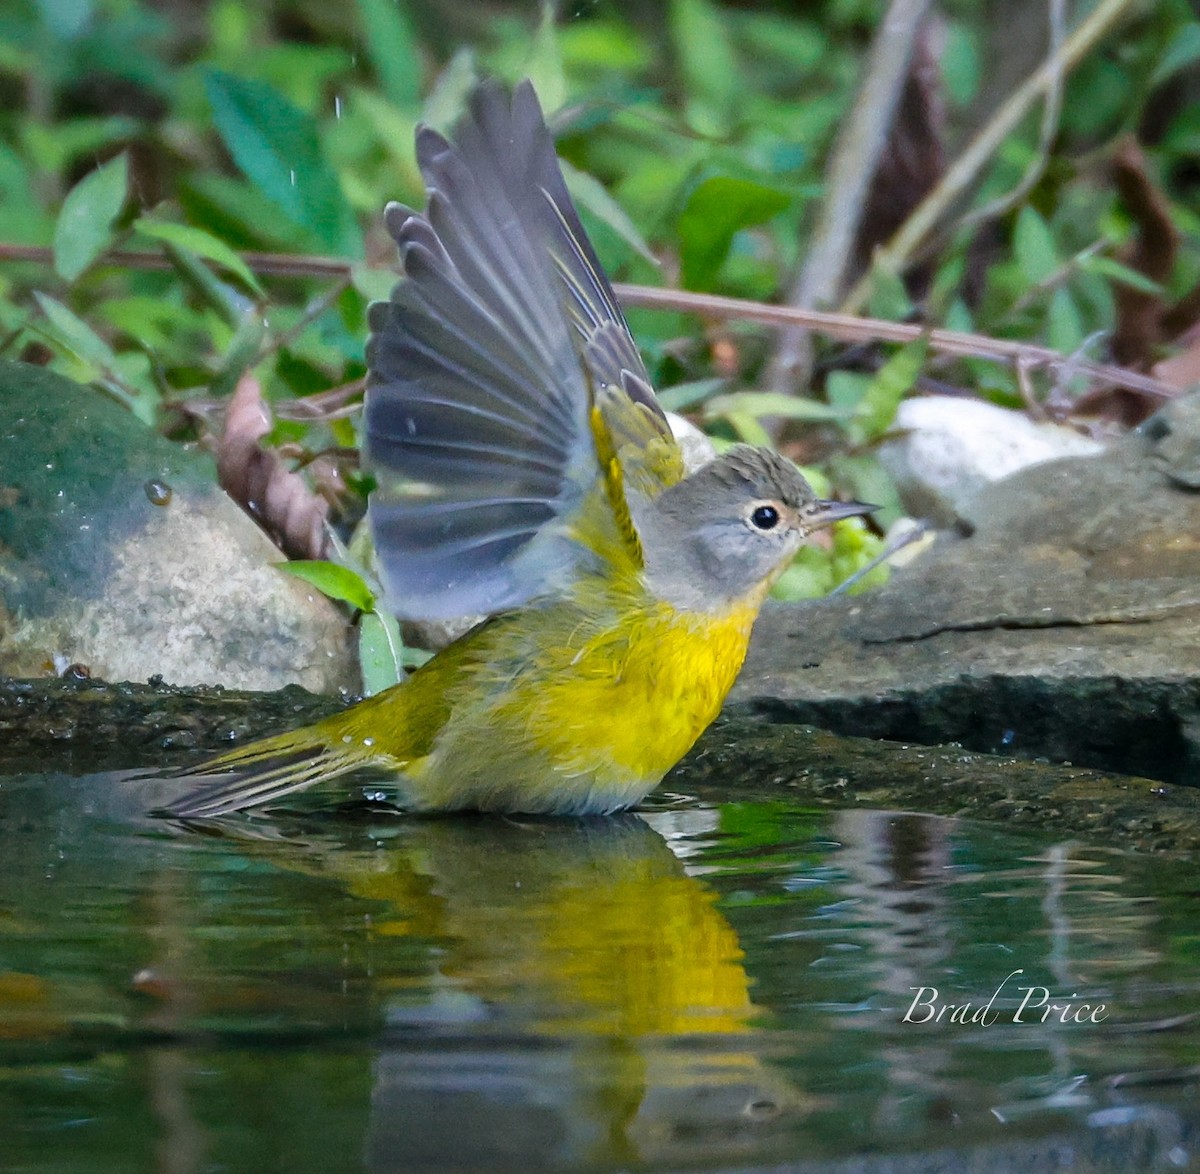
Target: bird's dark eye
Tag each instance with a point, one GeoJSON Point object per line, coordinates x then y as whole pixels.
{"type": "Point", "coordinates": [765, 517]}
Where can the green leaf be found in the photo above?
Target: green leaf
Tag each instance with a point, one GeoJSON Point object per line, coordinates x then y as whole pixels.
{"type": "Point", "coordinates": [375, 285]}
{"type": "Point", "coordinates": [715, 212]}
{"type": "Point", "coordinates": [773, 403]}
{"type": "Point", "coordinates": [392, 127]}
{"type": "Point", "coordinates": [604, 45]}
{"type": "Point", "coordinates": [203, 244]}
{"type": "Point", "coordinates": [960, 65]}
{"type": "Point", "coordinates": [24, 220]}
{"type": "Point", "coordinates": [958, 317]}
{"type": "Point", "coordinates": [1064, 324]}
{"type": "Point", "coordinates": [748, 427]}
{"type": "Point", "coordinates": [877, 409]}
{"type": "Point", "coordinates": [889, 297]}
{"type": "Point", "coordinates": [84, 227]}
{"type": "Point", "coordinates": [52, 145]}
{"type": "Point", "coordinates": [847, 389]}
{"type": "Point", "coordinates": [682, 396]}
{"type": "Point", "coordinates": [801, 45]}
{"type": "Point", "coordinates": [242, 352]}
{"type": "Point", "coordinates": [588, 192]}
{"type": "Point", "coordinates": [76, 335]}
{"type": "Point", "coordinates": [1122, 274]}
{"type": "Point", "coordinates": [708, 64]}
{"type": "Point", "coordinates": [161, 326]}
{"type": "Point", "coordinates": [380, 652]}
{"type": "Point", "coordinates": [334, 580]}
{"type": "Point", "coordinates": [276, 146]}
{"type": "Point", "coordinates": [1182, 50]}
{"type": "Point", "coordinates": [1099, 95]}
{"type": "Point", "coordinates": [867, 480]}
{"type": "Point", "coordinates": [1034, 247]}
{"type": "Point", "coordinates": [238, 212]}
{"type": "Point", "coordinates": [448, 98]}
{"type": "Point", "coordinates": [67, 20]}
{"type": "Point", "coordinates": [544, 65]}
{"type": "Point", "coordinates": [98, 363]}
{"type": "Point", "coordinates": [391, 44]}
{"type": "Point", "coordinates": [215, 292]}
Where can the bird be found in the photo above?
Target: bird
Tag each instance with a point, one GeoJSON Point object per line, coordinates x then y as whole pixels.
{"type": "Point", "coordinates": [525, 470]}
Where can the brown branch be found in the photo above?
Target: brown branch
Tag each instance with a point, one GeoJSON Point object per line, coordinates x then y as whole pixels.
{"type": "Point", "coordinates": [846, 327]}
{"type": "Point", "coordinates": [850, 328]}
{"type": "Point", "coordinates": [263, 264]}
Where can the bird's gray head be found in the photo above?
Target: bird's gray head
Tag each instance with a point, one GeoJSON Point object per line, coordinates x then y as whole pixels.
{"type": "Point", "coordinates": [730, 528]}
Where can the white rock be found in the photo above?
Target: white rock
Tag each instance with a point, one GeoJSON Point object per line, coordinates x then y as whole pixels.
{"type": "Point", "coordinates": [697, 448]}
{"type": "Point", "coordinates": [950, 448]}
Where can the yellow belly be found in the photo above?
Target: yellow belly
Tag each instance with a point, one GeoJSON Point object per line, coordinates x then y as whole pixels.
{"type": "Point", "coordinates": [589, 726]}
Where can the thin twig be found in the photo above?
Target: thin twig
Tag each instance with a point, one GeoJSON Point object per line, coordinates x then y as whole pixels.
{"type": "Point", "coordinates": [1062, 273]}
{"type": "Point", "coordinates": [845, 327]}
{"type": "Point", "coordinates": [850, 328]}
{"type": "Point", "coordinates": [310, 315]}
{"type": "Point", "coordinates": [852, 165]}
{"type": "Point", "coordinates": [964, 172]}
{"type": "Point", "coordinates": [895, 543]}
{"type": "Point", "coordinates": [263, 264]}
{"type": "Point", "coordinates": [1051, 111]}
{"type": "Point", "coordinates": [336, 403]}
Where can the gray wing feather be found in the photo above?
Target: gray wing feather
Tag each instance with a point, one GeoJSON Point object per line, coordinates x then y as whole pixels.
{"type": "Point", "coordinates": [481, 368]}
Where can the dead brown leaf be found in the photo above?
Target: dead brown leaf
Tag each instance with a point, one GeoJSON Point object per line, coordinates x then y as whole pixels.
{"type": "Point", "coordinates": [1182, 370]}
{"type": "Point", "coordinates": [256, 477]}
{"type": "Point", "coordinates": [1140, 329]}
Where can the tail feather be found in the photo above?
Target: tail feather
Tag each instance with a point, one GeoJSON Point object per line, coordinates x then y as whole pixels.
{"type": "Point", "coordinates": [260, 773]}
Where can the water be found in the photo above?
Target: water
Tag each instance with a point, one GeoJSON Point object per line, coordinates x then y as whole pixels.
{"type": "Point", "coordinates": [710, 985]}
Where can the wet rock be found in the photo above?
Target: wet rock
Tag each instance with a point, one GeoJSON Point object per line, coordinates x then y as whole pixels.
{"type": "Point", "coordinates": [1066, 623]}
{"type": "Point", "coordinates": [90, 727]}
{"type": "Point", "coordinates": [948, 449]}
{"type": "Point", "coordinates": [119, 553]}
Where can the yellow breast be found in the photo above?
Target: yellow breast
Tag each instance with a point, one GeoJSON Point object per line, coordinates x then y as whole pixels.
{"type": "Point", "coordinates": [648, 700]}
{"type": "Point", "coordinates": [632, 699]}
{"type": "Point", "coordinates": [580, 706]}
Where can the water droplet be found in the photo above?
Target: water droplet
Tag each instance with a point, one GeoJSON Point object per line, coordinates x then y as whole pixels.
{"type": "Point", "coordinates": [292, 176]}
{"type": "Point", "coordinates": [368, 741]}
{"type": "Point", "coordinates": [158, 492]}
{"type": "Point", "coordinates": [337, 105]}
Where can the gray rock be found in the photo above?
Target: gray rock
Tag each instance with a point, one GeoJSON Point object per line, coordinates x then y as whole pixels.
{"type": "Point", "coordinates": [1066, 623]}
{"type": "Point", "coordinates": [119, 552]}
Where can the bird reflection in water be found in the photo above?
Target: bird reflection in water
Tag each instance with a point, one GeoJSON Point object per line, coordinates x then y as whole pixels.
{"type": "Point", "coordinates": [585, 1003]}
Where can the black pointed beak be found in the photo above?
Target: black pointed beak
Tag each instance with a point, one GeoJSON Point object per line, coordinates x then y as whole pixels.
{"type": "Point", "coordinates": [828, 512]}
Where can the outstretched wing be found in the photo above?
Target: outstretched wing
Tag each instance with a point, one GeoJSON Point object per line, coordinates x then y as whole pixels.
{"type": "Point", "coordinates": [484, 368]}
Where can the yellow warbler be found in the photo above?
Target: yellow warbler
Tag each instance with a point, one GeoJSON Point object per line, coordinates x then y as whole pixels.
{"type": "Point", "coordinates": [525, 470]}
